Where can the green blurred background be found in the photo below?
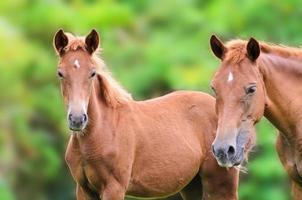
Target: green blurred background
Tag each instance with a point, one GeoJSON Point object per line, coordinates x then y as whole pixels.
{"type": "Point", "coordinates": [152, 48]}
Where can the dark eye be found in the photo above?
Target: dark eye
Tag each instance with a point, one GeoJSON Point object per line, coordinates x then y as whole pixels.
{"type": "Point", "coordinates": [251, 89]}
{"type": "Point", "coordinates": [92, 74]}
{"type": "Point", "coordinates": [60, 75]}
{"type": "Point", "coordinates": [213, 89]}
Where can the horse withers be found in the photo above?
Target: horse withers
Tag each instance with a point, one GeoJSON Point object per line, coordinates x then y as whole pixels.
{"type": "Point", "coordinates": [257, 79]}
{"type": "Point", "coordinates": [119, 146]}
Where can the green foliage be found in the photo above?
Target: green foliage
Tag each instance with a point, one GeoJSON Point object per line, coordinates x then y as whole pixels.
{"type": "Point", "coordinates": [152, 47]}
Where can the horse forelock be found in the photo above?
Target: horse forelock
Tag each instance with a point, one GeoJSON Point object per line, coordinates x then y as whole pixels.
{"type": "Point", "coordinates": [75, 43]}
{"type": "Point", "coordinates": [236, 51]}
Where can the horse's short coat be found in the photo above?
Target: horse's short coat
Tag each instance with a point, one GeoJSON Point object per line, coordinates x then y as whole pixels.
{"type": "Point", "coordinates": [150, 148]}
{"type": "Point", "coordinates": [276, 73]}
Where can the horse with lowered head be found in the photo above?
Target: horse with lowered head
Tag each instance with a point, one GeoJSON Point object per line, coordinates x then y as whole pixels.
{"type": "Point", "coordinates": [119, 146]}
{"type": "Point", "coordinates": [257, 79]}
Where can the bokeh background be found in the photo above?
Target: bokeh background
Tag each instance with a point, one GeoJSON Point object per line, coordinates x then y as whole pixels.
{"type": "Point", "coordinates": [152, 47]}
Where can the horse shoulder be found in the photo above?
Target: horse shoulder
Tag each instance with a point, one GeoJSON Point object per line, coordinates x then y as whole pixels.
{"type": "Point", "coordinates": [200, 111]}
{"type": "Point", "coordinates": [74, 160]}
{"type": "Point", "coordinates": [72, 153]}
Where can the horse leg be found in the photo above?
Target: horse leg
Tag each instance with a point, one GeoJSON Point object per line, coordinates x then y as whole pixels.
{"type": "Point", "coordinates": [219, 183]}
{"type": "Point", "coordinates": [296, 190]}
{"type": "Point", "coordinates": [285, 155]}
{"type": "Point", "coordinates": [192, 191]}
{"type": "Point", "coordinates": [82, 195]}
{"type": "Point", "coordinates": [176, 196]}
{"type": "Point", "coordinates": [287, 160]}
{"type": "Point", "coordinates": [113, 190]}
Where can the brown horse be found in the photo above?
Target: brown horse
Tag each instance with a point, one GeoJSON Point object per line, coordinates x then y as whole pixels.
{"type": "Point", "coordinates": [257, 79]}
{"type": "Point", "coordinates": [120, 147]}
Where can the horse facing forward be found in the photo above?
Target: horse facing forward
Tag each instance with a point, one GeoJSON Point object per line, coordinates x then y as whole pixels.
{"type": "Point", "coordinates": [120, 147]}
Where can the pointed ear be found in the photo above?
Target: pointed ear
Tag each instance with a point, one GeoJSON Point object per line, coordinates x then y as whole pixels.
{"type": "Point", "coordinates": [92, 41]}
{"type": "Point", "coordinates": [217, 47]}
{"type": "Point", "coordinates": [253, 49]}
{"type": "Point", "coordinates": [60, 41]}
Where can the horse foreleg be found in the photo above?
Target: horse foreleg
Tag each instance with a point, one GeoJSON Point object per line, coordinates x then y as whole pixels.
{"type": "Point", "coordinates": [296, 190]}
{"type": "Point", "coordinates": [82, 195]}
{"type": "Point", "coordinates": [113, 191]}
{"type": "Point", "coordinates": [286, 157]}
{"type": "Point", "coordinates": [219, 183]}
{"type": "Point", "coordinates": [193, 191]}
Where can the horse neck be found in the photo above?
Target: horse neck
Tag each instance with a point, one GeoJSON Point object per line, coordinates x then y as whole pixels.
{"type": "Point", "coordinates": [282, 80]}
{"type": "Point", "coordinates": [101, 122]}
{"type": "Point", "coordinates": [97, 110]}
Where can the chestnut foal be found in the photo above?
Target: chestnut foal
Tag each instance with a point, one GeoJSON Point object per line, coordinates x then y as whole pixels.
{"type": "Point", "coordinates": [257, 79]}
{"type": "Point", "coordinates": [119, 146]}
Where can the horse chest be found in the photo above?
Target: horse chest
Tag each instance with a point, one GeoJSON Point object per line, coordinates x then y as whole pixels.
{"type": "Point", "coordinates": [289, 157]}
{"type": "Point", "coordinates": [294, 165]}
{"type": "Point", "coordinates": [293, 169]}
{"type": "Point", "coordinates": [92, 177]}
{"type": "Point", "coordinates": [97, 170]}
{"type": "Point", "coordinates": [296, 159]}
{"type": "Point", "coordinates": [297, 172]}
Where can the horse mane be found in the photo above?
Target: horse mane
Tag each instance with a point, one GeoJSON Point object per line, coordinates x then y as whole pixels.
{"type": "Point", "coordinates": [112, 92]}
{"type": "Point", "coordinates": [236, 50]}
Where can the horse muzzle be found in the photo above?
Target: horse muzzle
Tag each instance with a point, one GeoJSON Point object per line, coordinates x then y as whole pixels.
{"type": "Point", "coordinates": [228, 155]}
{"type": "Point", "coordinates": [77, 122]}
{"type": "Point", "coordinates": [229, 152]}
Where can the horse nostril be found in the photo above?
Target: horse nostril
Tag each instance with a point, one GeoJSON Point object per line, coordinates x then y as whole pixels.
{"type": "Point", "coordinates": [231, 150]}
{"type": "Point", "coordinates": [70, 117]}
{"type": "Point", "coordinates": [84, 118]}
{"type": "Point", "coordinates": [213, 149]}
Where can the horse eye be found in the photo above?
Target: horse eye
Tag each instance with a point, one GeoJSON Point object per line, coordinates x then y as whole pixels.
{"type": "Point", "coordinates": [60, 75]}
{"type": "Point", "coordinates": [92, 74]}
{"type": "Point", "coordinates": [213, 89]}
{"type": "Point", "coordinates": [251, 90]}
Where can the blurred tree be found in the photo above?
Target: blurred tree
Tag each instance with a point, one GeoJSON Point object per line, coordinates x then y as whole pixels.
{"type": "Point", "coordinates": [152, 47]}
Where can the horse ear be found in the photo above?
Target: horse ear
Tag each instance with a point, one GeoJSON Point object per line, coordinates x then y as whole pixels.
{"type": "Point", "coordinates": [217, 47]}
{"type": "Point", "coordinates": [92, 41]}
{"type": "Point", "coordinates": [60, 41]}
{"type": "Point", "coordinates": [253, 49]}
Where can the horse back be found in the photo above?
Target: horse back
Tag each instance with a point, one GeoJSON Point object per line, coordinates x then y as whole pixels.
{"type": "Point", "coordinates": [195, 109]}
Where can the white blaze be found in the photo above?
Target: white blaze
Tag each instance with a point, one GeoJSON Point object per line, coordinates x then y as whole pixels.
{"type": "Point", "coordinates": [77, 64]}
{"type": "Point", "coordinates": [230, 77]}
